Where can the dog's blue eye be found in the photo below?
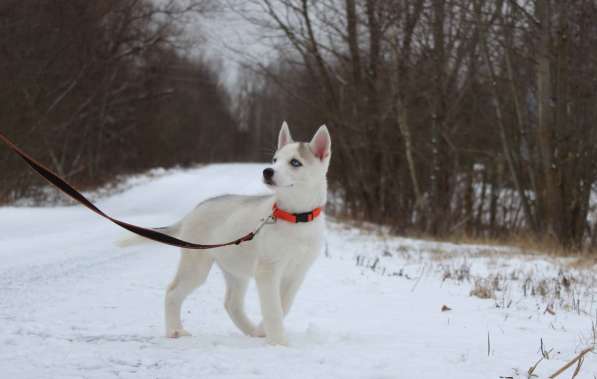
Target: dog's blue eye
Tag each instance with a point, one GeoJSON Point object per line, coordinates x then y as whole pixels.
{"type": "Point", "coordinates": [295, 163]}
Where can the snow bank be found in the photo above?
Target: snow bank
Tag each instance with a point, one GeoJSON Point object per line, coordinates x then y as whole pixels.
{"type": "Point", "coordinates": [73, 305]}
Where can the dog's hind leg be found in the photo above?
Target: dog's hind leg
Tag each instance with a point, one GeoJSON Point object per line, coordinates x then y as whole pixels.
{"type": "Point", "coordinates": [193, 269]}
{"type": "Point", "coordinates": [236, 289]}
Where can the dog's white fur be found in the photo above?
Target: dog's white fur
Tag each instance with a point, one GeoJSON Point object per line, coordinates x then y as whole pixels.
{"type": "Point", "coordinates": [278, 257]}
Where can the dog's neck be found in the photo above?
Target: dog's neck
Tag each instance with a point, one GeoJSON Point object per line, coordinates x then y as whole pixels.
{"type": "Point", "coordinates": [303, 199]}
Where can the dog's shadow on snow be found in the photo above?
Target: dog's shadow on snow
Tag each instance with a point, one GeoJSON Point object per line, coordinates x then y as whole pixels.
{"type": "Point", "coordinates": [209, 341]}
{"type": "Point", "coordinates": [310, 337]}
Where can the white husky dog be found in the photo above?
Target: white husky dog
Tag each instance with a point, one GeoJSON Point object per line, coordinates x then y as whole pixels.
{"type": "Point", "coordinates": [278, 257]}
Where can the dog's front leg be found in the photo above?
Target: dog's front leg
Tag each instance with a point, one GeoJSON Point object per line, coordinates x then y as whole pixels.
{"type": "Point", "coordinates": [268, 277]}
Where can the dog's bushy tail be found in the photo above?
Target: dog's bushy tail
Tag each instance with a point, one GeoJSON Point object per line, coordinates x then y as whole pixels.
{"type": "Point", "coordinates": [131, 239]}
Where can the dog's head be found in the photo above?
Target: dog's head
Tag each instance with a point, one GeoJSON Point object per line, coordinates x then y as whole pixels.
{"type": "Point", "coordinates": [299, 165]}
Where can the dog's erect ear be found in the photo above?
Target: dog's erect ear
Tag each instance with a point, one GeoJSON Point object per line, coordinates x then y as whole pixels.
{"type": "Point", "coordinates": [284, 138]}
{"type": "Point", "coordinates": [321, 144]}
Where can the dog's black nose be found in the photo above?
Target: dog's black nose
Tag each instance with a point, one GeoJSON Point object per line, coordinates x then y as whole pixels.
{"type": "Point", "coordinates": [268, 173]}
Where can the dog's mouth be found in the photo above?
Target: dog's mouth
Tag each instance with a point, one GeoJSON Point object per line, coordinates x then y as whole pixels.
{"type": "Point", "coordinates": [272, 183]}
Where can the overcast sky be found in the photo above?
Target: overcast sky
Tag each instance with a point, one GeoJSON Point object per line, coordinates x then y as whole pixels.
{"type": "Point", "coordinates": [228, 39]}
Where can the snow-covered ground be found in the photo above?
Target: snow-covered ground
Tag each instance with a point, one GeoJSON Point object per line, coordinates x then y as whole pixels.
{"type": "Point", "coordinates": [72, 305]}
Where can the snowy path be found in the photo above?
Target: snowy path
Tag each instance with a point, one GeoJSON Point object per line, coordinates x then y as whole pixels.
{"type": "Point", "coordinates": [74, 306]}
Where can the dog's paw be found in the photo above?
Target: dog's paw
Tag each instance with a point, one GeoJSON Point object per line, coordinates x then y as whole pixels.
{"type": "Point", "coordinates": [277, 341]}
{"type": "Point", "coordinates": [258, 332]}
{"type": "Point", "coordinates": [176, 333]}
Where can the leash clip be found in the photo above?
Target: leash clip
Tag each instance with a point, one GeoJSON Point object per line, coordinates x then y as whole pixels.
{"type": "Point", "coordinates": [267, 221]}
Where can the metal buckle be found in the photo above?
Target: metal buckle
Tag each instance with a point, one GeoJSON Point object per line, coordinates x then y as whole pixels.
{"type": "Point", "coordinates": [302, 217]}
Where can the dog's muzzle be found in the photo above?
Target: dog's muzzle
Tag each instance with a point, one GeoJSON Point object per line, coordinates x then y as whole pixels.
{"type": "Point", "coordinates": [268, 175]}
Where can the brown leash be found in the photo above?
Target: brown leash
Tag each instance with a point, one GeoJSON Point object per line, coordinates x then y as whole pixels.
{"type": "Point", "coordinates": [151, 234]}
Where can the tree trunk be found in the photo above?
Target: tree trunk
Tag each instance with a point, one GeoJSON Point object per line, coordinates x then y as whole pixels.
{"type": "Point", "coordinates": [551, 198]}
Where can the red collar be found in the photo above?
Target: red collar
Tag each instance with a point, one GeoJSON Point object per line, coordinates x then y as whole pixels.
{"type": "Point", "coordinates": [296, 217]}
